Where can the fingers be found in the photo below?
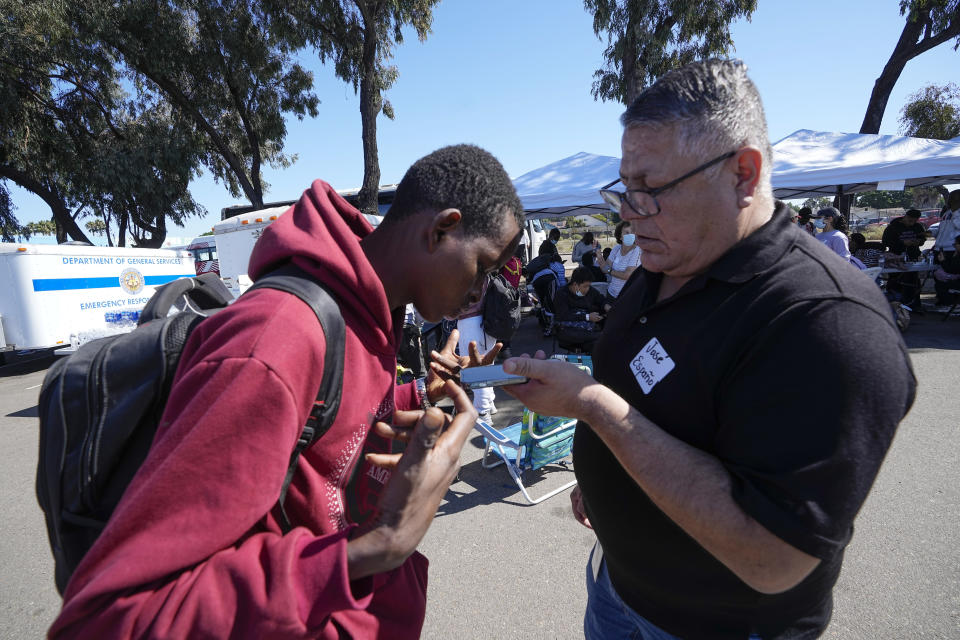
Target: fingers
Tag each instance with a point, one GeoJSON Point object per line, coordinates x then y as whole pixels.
{"type": "Point", "coordinates": [446, 360]}
{"type": "Point", "coordinates": [391, 431]}
{"type": "Point", "coordinates": [425, 434]}
{"type": "Point", "coordinates": [490, 356]}
{"type": "Point", "coordinates": [452, 340]}
{"type": "Point", "coordinates": [406, 418]}
{"type": "Point", "coordinates": [535, 368]}
{"type": "Point", "coordinates": [444, 374]}
{"type": "Point", "coordinates": [456, 434]}
{"type": "Point", "coordinates": [385, 460]}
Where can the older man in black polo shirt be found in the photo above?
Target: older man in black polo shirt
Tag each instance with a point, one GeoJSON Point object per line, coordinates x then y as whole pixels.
{"type": "Point", "coordinates": [722, 500]}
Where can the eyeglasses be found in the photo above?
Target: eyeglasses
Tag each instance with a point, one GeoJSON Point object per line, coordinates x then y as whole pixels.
{"type": "Point", "coordinates": [644, 201]}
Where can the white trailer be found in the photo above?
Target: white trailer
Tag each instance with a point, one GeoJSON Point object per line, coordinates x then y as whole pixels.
{"type": "Point", "coordinates": [236, 236]}
{"type": "Point", "coordinates": [53, 292]}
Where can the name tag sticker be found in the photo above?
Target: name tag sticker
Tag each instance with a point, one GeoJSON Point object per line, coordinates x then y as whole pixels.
{"type": "Point", "coordinates": [651, 365]}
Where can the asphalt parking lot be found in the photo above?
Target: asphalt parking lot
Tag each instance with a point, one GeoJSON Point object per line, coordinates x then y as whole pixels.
{"type": "Point", "coordinates": [500, 568]}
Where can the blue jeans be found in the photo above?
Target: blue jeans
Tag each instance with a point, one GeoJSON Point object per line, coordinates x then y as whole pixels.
{"type": "Point", "coordinates": [609, 618]}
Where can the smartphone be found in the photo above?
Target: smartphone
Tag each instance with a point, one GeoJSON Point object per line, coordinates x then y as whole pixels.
{"type": "Point", "coordinates": [490, 376]}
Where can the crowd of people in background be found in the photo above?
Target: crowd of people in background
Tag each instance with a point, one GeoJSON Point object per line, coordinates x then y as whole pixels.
{"type": "Point", "coordinates": [569, 296]}
{"type": "Point", "coordinates": [902, 241]}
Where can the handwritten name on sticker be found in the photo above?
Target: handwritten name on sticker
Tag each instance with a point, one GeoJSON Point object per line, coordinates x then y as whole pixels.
{"type": "Point", "coordinates": [651, 365]}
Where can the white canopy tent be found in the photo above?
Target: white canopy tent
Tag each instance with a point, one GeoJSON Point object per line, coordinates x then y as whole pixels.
{"type": "Point", "coordinates": [806, 164]}
{"type": "Point", "coordinates": [817, 163]}
{"type": "Point", "coordinates": [568, 187]}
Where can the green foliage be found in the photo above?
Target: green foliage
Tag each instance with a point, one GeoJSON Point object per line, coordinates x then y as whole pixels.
{"type": "Point", "coordinates": [226, 68]}
{"type": "Point", "coordinates": [97, 227]}
{"type": "Point", "coordinates": [41, 228]}
{"type": "Point", "coordinates": [9, 227]}
{"type": "Point", "coordinates": [74, 137]}
{"type": "Point", "coordinates": [929, 23]}
{"type": "Point", "coordinates": [932, 112]}
{"type": "Point", "coordinates": [886, 199]}
{"type": "Point", "coordinates": [358, 36]}
{"type": "Point", "coordinates": [817, 203]}
{"type": "Point", "coordinates": [647, 38]}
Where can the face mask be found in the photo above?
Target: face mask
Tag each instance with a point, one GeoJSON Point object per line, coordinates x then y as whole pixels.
{"type": "Point", "coordinates": [553, 241]}
{"type": "Point", "coordinates": [579, 293]}
{"type": "Point", "coordinates": [819, 224]}
{"type": "Point", "coordinates": [629, 238]}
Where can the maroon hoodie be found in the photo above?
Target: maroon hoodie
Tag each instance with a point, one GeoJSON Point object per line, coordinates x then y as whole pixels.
{"type": "Point", "coordinates": [193, 549]}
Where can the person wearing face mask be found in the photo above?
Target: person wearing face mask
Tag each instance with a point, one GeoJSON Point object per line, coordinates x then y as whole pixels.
{"type": "Point", "coordinates": [579, 310]}
{"type": "Point", "coordinates": [623, 260]}
{"type": "Point", "coordinates": [550, 244]}
{"type": "Point", "coordinates": [833, 231]}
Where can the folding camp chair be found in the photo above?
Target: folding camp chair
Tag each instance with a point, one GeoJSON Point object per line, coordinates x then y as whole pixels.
{"type": "Point", "coordinates": [532, 443]}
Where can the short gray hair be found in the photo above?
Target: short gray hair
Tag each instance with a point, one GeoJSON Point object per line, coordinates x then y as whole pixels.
{"type": "Point", "coordinates": [714, 108]}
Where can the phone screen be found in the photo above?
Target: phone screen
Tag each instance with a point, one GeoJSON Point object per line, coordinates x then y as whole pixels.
{"type": "Point", "coordinates": [490, 376]}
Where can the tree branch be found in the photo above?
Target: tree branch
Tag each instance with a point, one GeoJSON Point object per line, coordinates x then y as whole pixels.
{"type": "Point", "coordinates": [186, 105]}
{"type": "Point", "coordinates": [59, 208]}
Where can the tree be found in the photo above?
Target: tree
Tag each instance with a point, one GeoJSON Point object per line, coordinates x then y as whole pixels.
{"type": "Point", "coordinates": [41, 228]}
{"type": "Point", "coordinates": [816, 204]}
{"type": "Point", "coordinates": [225, 66]}
{"type": "Point", "coordinates": [9, 227]}
{"type": "Point", "coordinates": [932, 112]}
{"type": "Point", "coordinates": [886, 199]}
{"type": "Point", "coordinates": [72, 136]}
{"type": "Point", "coordinates": [97, 227]}
{"type": "Point", "coordinates": [929, 24]}
{"type": "Point", "coordinates": [647, 38]}
{"type": "Point", "coordinates": [358, 36]}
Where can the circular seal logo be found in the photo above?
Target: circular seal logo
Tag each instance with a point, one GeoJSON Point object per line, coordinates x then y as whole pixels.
{"type": "Point", "coordinates": [131, 281]}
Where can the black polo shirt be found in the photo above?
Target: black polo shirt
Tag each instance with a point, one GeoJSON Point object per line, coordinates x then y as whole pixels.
{"type": "Point", "coordinates": [718, 365]}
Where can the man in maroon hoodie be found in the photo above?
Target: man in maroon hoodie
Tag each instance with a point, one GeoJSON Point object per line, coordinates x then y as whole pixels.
{"type": "Point", "coordinates": [193, 549]}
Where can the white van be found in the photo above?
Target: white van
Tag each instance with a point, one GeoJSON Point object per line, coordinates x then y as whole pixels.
{"type": "Point", "coordinates": [55, 292]}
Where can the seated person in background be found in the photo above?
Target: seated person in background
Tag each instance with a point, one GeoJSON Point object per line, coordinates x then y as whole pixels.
{"type": "Point", "coordinates": [555, 265]}
{"type": "Point", "coordinates": [550, 244]}
{"type": "Point", "coordinates": [834, 233]}
{"type": "Point", "coordinates": [596, 273]}
{"type": "Point", "coordinates": [905, 235]}
{"type": "Point", "coordinates": [859, 250]}
{"type": "Point", "coordinates": [947, 277]}
{"type": "Point", "coordinates": [583, 247]}
{"type": "Point", "coordinates": [624, 259]}
{"type": "Point", "coordinates": [578, 310]}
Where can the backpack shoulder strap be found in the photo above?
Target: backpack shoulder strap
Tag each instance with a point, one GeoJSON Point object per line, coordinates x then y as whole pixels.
{"type": "Point", "coordinates": [294, 280]}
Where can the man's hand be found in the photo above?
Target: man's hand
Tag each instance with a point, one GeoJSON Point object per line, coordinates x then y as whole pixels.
{"type": "Point", "coordinates": [556, 388]}
{"type": "Point", "coordinates": [446, 364]}
{"type": "Point", "coordinates": [576, 503]}
{"type": "Point", "coordinates": [593, 316]}
{"type": "Point", "coordinates": [420, 478]}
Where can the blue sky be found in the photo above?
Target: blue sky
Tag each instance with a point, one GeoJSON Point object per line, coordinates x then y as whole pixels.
{"type": "Point", "coordinates": [514, 77]}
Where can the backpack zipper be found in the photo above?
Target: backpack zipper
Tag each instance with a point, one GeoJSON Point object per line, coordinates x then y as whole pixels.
{"type": "Point", "coordinates": [87, 462]}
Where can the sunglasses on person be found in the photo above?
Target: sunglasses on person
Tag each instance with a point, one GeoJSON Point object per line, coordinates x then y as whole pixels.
{"type": "Point", "coordinates": [644, 201]}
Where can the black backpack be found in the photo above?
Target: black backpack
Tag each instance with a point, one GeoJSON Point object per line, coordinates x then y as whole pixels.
{"type": "Point", "coordinates": [537, 264]}
{"type": "Point", "coordinates": [501, 308]}
{"type": "Point", "coordinates": [99, 407]}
